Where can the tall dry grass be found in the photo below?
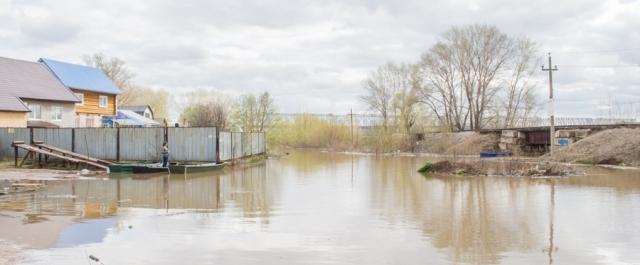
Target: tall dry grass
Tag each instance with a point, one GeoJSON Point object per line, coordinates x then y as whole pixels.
{"type": "Point", "coordinates": [307, 131]}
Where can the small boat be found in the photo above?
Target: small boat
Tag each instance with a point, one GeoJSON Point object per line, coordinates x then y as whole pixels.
{"type": "Point", "coordinates": [176, 168]}
{"type": "Point", "coordinates": [137, 168]}
{"type": "Point", "coordinates": [486, 154]}
{"type": "Point", "coordinates": [194, 168]}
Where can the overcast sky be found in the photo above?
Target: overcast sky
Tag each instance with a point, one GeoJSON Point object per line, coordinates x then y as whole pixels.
{"type": "Point", "coordinates": [313, 55]}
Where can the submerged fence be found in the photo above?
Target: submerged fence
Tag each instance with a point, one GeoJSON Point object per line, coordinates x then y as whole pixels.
{"type": "Point", "coordinates": [201, 144]}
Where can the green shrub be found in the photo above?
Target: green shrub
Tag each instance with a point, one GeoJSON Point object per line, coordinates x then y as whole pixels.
{"type": "Point", "coordinates": [428, 167]}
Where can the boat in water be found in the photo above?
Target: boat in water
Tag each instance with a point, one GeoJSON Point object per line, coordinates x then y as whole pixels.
{"type": "Point", "coordinates": [174, 168]}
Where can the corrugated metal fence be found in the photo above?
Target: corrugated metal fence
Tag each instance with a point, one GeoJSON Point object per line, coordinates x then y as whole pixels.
{"type": "Point", "coordinates": [140, 144]}
{"type": "Point", "coordinates": [192, 144]}
{"type": "Point", "coordinates": [8, 135]}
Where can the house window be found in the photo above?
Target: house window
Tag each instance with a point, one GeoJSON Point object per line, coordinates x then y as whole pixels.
{"type": "Point", "coordinates": [81, 97]}
{"type": "Point", "coordinates": [36, 112]}
{"type": "Point", "coordinates": [147, 115]}
{"type": "Point", "coordinates": [56, 113]}
{"type": "Point", "coordinates": [104, 101]}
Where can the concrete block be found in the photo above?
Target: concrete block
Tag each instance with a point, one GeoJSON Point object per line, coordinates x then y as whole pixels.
{"type": "Point", "coordinates": [564, 133]}
{"type": "Point", "coordinates": [582, 133]}
{"type": "Point", "coordinates": [510, 133]}
{"type": "Point", "coordinates": [508, 140]}
{"type": "Point", "coordinates": [503, 146]}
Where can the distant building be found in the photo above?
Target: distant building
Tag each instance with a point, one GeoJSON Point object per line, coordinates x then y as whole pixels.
{"type": "Point", "coordinates": [13, 112]}
{"type": "Point", "coordinates": [97, 93]}
{"type": "Point", "coordinates": [142, 110]}
{"type": "Point", "coordinates": [30, 96]}
{"type": "Point", "coordinates": [129, 118]}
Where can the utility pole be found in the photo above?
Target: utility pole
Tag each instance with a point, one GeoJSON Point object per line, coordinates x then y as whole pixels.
{"type": "Point", "coordinates": [552, 130]}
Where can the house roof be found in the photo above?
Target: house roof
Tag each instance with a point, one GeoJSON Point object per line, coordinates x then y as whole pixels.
{"type": "Point", "coordinates": [137, 108]}
{"type": "Point", "coordinates": [130, 118]}
{"type": "Point", "coordinates": [12, 103]}
{"type": "Point", "coordinates": [31, 80]}
{"type": "Point", "coordinates": [81, 77]}
{"type": "Point", "coordinates": [40, 124]}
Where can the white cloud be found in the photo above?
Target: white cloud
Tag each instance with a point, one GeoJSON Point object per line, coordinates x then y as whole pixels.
{"type": "Point", "coordinates": [312, 55]}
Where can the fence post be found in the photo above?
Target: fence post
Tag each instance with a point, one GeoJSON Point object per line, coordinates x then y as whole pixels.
{"type": "Point", "coordinates": [73, 140]}
{"type": "Point", "coordinates": [217, 145]}
{"type": "Point", "coordinates": [118, 144]}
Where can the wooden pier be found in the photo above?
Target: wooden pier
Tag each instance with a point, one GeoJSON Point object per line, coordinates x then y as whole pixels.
{"type": "Point", "coordinates": [43, 152]}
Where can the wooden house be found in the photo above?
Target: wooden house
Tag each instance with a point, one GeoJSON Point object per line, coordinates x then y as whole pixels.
{"type": "Point", "coordinates": [97, 93]}
{"type": "Point", "coordinates": [30, 96]}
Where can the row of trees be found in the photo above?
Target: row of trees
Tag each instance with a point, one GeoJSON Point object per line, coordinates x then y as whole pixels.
{"type": "Point", "coordinates": [197, 108]}
{"type": "Point", "coordinates": [132, 94]}
{"type": "Point", "coordinates": [473, 77]}
{"type": "Point", "coordinates": [248, 113]}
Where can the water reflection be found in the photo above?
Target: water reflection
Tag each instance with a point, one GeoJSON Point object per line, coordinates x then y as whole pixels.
{"type": "Point", "coordinates": [315, 207]}
{"type": "Point", "coordinates": [89, 199]}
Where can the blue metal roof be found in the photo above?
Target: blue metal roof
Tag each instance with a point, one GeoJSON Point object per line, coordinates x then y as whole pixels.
{"type": "Point", "coordinates": [81, 77]}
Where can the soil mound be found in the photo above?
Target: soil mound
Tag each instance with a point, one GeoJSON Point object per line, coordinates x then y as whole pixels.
{"type": "Point", "coordinates": [611, 147]}
{"type": "Point", "coordinates": [514, 168]}
{"type": "Point", "coordinates": [447, 167]}
{"type": "Point", "coordinates": [438, 143]}
{"type": "Point", "coordinates": [475, 144]}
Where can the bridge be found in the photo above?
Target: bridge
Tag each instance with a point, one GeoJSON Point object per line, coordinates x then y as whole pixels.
{"type": "Point", "coordinates": [533, 136]}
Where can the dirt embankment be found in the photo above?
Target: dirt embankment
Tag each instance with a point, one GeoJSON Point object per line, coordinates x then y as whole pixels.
{"type": "Point", "coordinates": [611, 147]}
{"type": "Point", "coordinates": [461, 143]}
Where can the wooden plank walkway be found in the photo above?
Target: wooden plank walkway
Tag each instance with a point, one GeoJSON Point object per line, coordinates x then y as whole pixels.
{"type": "Point", "coordinates": [32, 150]}
{"type": "Point", "coordinates": [71, 154]}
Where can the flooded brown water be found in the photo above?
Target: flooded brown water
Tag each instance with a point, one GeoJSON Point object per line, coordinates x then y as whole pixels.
{"type": "Point", "coordinates": [323, 208]}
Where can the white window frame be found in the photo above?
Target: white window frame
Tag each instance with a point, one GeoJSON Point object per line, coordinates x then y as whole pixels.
{"type": "Point", "coordinates": [56, 113]}
{"type": "Point", "coordinates": [81, 97]}
{"type": "Point", "coordinates": [106, 101]}
{"type": "Point", "coordinates": [33, 114]}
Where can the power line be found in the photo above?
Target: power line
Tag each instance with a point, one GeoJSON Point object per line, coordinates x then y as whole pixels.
{"type": "Point", "coordinates": [598, 51]}
{"type": "Point", "coordinates": [601, 66]}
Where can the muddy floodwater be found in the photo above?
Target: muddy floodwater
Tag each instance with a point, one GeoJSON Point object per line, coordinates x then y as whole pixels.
{"type": "Point", "coordinates": [324, 208]}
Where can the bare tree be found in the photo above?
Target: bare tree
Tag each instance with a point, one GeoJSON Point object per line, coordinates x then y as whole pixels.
{"type": "Point", "coordinates": [381, 89]}
{"type": "Point", "coordinates": [481, 52]}
{"type": "Point", "coordinates": [205, 108]}
{"type": "Point", "coordinates": [255, 114]}
{"type": "Point", "coordinates": [440, 88]}
{"type": "Point", "coordinates": [519, 99]}
{"type": "Point", "coordinates": [266, 111]}
{"type": "Point", "coordinates": [116, 70]}
{"type": "Point", "coordinates": [207, 114]}
{"type": "Point", "coordinates": [406, 98]}
{"type": "Point", "coordinates": [157, 99]}
{"type": "Point", "coordinates": [463, 73]}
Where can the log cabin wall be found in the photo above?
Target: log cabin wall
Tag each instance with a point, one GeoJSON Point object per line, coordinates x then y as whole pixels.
{"type": "Point", "coordinates": [91, 104]}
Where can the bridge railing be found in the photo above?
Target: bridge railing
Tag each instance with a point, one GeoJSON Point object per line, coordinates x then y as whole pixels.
{"type": "Point", "coordinates": [560, 121]}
